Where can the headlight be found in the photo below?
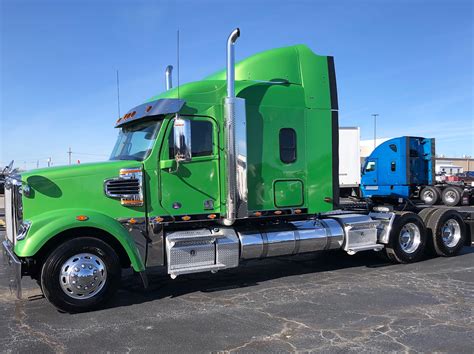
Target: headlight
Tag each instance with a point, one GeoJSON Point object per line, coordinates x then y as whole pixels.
{"type": "Point", "coordinates": [23, 230]}
{"type": "Point", "coordinates": [26, 190]}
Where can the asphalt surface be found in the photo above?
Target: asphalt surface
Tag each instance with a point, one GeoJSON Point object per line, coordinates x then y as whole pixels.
{"type": "Point", "coordinates": [325, 302]}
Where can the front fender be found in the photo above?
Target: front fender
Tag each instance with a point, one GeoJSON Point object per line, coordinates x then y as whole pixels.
{"type": "Point", "coordinates": [47, 225]}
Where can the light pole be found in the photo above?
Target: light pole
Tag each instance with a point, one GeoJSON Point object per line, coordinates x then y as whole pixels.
{"type": "Point", "coordinates": [375, 115]}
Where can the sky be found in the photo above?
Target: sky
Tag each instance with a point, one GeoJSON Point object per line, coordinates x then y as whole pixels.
{"type": "Point", "coordinates": [411, 62]}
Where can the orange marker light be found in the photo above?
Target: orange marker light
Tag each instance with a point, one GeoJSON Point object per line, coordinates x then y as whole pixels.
{"type": "Point", "coordinates": [212, 216]}
{"type": "Point", "coordinates": [82, 218]}
{"type": "Point", "coordinates": [186, 218]}
{"type": "Point", "coordinates": [133, 113]}
{"type": "Point", "coordinates": [278, 212]}
{"type": "Point", "coordinates": [257, 213]}
{"type": "Point", "coordinates": [148, 109]}
{"type": "Point", "coordinates": [298, 211]}
{"type": "Point", "coordinates": [127, 171]}
{"type": "Point", "coordinates": [132, 221]}
{"type": "Point", "coordinates": [159, 219]}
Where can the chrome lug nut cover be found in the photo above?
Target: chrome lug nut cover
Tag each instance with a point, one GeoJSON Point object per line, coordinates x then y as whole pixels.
{"type": "Point", "coordinates": [83, 275]}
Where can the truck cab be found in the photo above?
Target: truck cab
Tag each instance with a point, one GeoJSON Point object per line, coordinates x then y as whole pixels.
{"type": "Point", "coordinates": [397, 167]}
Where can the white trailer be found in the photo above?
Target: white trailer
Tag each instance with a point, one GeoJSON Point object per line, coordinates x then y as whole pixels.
{"type": "Point", "coordinates": [349, 160]}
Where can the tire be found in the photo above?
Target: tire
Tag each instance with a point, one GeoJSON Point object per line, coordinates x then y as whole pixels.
{"type": "Point", "coordinates": [448, 232]}
{"type": "Point", "coordinates": [451, 196]}
{"type": "Point", "coordinates": [92, 263]}
{"type": "Point", "coordinates": [408, 239]}
{"type": "Point", "coordinates": [425, 214]}
{"type": "Point", "coordinates": [429, 195]}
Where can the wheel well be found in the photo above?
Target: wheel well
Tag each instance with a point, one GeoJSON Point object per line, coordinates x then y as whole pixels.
{"type": "Point", "coordinates": [66, 235]}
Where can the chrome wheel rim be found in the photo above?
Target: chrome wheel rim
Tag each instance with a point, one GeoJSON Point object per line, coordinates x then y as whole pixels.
{"type": "Point", "coordinates": [410, 237]}
{"type": "Point", "coordinates": [450, 196]}
{"type": "Point", "coordinates": [83, 275]}
{"type": "Point", "coordinates": [451, 233]}
{"type": "Point", "coordinates": [428, 196]}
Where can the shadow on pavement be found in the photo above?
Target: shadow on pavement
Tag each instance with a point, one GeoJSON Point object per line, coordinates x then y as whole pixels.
{"type": "Point", "coordinates": [249, 274]}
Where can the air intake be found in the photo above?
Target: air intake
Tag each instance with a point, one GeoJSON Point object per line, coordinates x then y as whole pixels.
{"type": "Point", "coordinates": [118, 188]}
{"type": "Point", "coordinates": [127, 187]}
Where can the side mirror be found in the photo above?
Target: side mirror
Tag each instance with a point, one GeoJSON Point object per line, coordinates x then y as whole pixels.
{"type": "Point", "coordinates": [182, 139]}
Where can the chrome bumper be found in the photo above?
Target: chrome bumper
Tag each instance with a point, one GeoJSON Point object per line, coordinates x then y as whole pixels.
{"type": "Point", "coordinates": [13, 268]}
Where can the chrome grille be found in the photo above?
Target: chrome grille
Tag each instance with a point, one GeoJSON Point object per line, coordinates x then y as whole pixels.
{"type": "Point", "coordinates": [119, 188]}
{"type": "Point", "coordinates": [13, 207]}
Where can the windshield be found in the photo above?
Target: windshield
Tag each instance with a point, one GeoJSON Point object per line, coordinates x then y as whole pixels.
{"type": "Point", "coordinates": [135, 141]}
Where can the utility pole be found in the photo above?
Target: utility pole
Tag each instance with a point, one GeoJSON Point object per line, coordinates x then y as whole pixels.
{"type": "Point", "coordinates": [69, 153]}
{"type": "Point", "coordinates": [49, 161]}
{"type": "Point", "coordinates": [37, 163]}
{"type": "Point", "coordinates": [375, 115]}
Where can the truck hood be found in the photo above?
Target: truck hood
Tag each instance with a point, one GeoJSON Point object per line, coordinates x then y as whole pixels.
{"type": "Point", "coordinates": [76, 186]}
{"type": "Point", "coordinates": [93, 168]}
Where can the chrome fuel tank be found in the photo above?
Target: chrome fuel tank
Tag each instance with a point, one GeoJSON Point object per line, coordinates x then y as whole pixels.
{"type": "Point", "coordinates": [290, 238]}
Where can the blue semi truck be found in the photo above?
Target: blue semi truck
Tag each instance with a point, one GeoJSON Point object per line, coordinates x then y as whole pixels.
{"type": "Point", "coordinates": [404, 169]}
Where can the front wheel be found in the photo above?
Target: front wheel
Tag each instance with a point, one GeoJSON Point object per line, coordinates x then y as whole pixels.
{"type": "Point", "coordinates": [408, 238]}
{"type": "Point", "coordinates": [81, 274]}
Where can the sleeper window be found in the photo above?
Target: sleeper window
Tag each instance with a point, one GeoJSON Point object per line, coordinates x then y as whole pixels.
{"type": "Point", "coordinates": [287, 145]}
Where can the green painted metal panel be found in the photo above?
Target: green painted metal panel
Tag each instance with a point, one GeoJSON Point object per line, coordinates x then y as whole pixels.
{"type": "Point", "coordinates": [288, 194]}
{"type": "Point", "coordinates": [190, 187]}
{"type": "Point", "coordinates": [46, 225]}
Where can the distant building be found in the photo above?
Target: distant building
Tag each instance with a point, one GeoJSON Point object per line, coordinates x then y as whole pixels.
{"type": "Point", "coordinates": [462, 163]}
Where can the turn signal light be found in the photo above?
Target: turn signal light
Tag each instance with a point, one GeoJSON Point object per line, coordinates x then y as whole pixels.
{"type": "Point", "coordinates": [82, 218]}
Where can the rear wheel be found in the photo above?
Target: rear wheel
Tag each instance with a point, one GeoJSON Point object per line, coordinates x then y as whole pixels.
{"type": "Point", "coordinates": [429, 195]}
{"type": "Point", "coordinates": [407, 238]}
{"type": "Point", "coordinates": [81, 274]}
{"type": "Point", "coordinates": [449, 232]}
{"type": "Point", "coordinates": [451, 196]}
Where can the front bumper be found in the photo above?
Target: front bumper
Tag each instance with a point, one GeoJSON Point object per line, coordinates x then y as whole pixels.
{"type": "Point", "coordinates": [12, 266]}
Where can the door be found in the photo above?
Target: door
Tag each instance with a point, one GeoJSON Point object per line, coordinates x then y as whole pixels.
{"type": "Point", "coordinates": [191, 188]}
{"type": "Point", "coordinates": [370, 172]}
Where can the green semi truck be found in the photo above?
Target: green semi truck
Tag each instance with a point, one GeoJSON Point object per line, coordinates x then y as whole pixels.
{"type": "Point", "coordinates": [241, 165]}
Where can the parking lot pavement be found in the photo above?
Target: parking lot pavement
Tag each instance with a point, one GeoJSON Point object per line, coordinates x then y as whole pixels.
{"type": "Point", "coordinates": [325, 302]}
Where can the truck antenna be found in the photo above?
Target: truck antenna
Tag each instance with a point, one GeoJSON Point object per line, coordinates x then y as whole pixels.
{"type": "Point", "coordinates": [177, 56]}
{"type": "Point", "coordinates": [118, 95]}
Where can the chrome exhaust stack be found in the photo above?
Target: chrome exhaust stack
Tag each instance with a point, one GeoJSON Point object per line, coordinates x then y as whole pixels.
{"type": "Point", "coordinates": [168, 77]}
{"type": "Point", "coordinates": [236, 142]}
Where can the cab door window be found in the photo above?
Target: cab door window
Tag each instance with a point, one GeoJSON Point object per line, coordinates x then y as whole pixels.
{"type": "Point", "coordinates": [201, 139]}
